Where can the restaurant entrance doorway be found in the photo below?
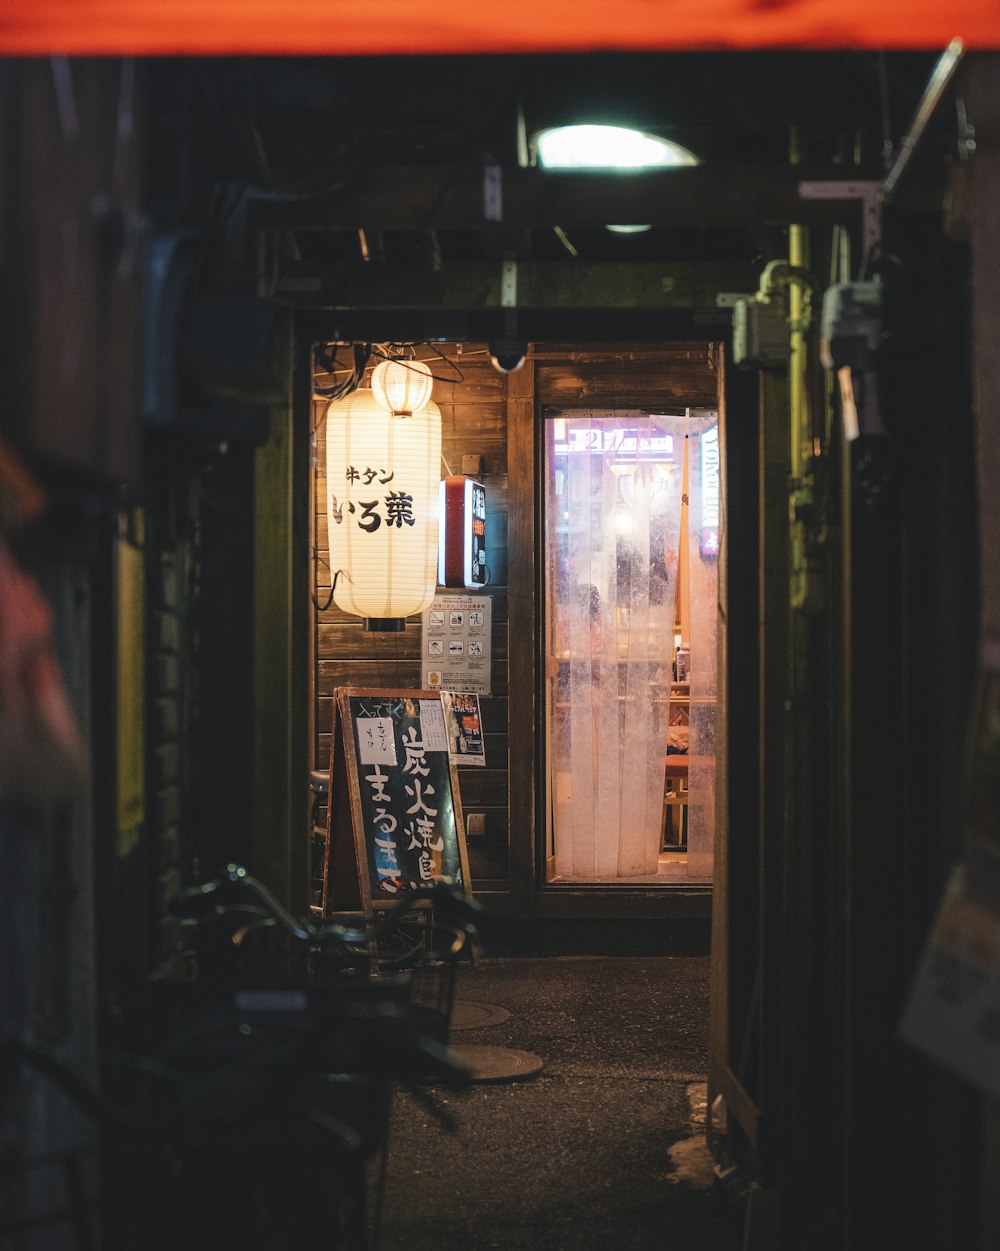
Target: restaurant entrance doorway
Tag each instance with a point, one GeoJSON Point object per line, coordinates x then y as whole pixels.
{"type": "Point", "coordinates": [632, 516]}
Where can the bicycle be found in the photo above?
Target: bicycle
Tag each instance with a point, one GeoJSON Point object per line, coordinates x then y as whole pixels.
{"type": "Point", "coordinates": [256, 1120]}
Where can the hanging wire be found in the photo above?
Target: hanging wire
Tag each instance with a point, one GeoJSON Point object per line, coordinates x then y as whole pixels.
{"type": "Point", "coordinates": [327, 361]}
{"type": "Point", "coordinates": [885, 113]}
{"type": "Point", "coordinates": [333, 586]}
{"type": "Point", "coordinates": [391, 351]}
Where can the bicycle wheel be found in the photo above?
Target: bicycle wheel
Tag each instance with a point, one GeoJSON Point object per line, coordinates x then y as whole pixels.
{"type": "Point", "coordinates": [403, 942]}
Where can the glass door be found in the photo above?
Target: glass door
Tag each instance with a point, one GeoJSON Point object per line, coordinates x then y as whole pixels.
{"type": "Point", "coordinates": [616, 631]}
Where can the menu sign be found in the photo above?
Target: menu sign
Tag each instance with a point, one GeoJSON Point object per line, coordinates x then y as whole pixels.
{"type": "Point", "coordinates": [394, 785]}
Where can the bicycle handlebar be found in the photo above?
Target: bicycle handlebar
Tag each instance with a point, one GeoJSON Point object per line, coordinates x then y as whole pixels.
{"type": "Point", "coordinates": [457, 908]}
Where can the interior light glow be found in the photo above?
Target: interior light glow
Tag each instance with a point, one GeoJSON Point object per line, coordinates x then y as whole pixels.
{"type": "Point", "coordinates": [402, 387]}
{"type": "Point", "coordinates": [709, 456]}
{"type": "Point", "coordinates": [382, 476]}
{"type": "Point", "coordinates": [607, 147]}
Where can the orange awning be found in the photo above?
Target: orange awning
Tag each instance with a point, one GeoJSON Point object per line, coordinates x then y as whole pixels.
{"type": "Point", "coordinates": [333, 27]}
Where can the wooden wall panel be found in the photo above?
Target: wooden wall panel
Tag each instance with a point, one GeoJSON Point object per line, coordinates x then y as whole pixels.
{"type": "Point", "coordinates": [679, 375]}
{"type": "Point", "coordinates": [72, 175]}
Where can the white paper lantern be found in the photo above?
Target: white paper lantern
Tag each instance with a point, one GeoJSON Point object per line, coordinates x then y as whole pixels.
{"type": "Point", "coordinates": [402, 386]}
{"type": "Point", "coordinates": [382, 474]}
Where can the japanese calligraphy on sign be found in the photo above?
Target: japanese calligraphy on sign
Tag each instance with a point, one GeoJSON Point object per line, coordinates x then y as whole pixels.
{"type": "Point", "coordinates": [406, 809]}
{"type": "Point", "coordinates": [376, 744]}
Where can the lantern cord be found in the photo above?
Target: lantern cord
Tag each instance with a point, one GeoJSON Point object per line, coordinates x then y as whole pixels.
{"type": "Point", "coordinates": [388, 351]}
{"type": "Point", "coordinates": [352, 376]}
{"type": "Point", "coordinates": [452, 365]}
{"type": "Point", "coordinates": [333, 587]}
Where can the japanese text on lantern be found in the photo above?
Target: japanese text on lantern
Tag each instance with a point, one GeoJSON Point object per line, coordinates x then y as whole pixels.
{"type": "Point", "coordinates": [395, 508]}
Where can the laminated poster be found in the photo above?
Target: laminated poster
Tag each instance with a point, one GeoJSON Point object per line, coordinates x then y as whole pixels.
{"type": "Point", "coordinates": [465, 727]}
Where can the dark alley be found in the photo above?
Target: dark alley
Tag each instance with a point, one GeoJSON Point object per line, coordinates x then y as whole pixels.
{"type": "Point", "coordinates": [603, 1148]}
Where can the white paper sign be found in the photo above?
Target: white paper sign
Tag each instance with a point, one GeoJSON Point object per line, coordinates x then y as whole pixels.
{"type": "Point", "coordinates": [455, 648]}
{"type": "Point", "coordinates": [953, 1014]}
{"type": "Point", "coordinates": [375, 741]}
{"type": "Point", "coordinates": [432, 729]}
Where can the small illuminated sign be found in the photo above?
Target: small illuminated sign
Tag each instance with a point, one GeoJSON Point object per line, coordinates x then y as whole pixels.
{"type": "Point", "coordinates": [708, 534]}
{"type": "Point", "coordinates": [462, 533]}
{"type": "Point", "coordinates": [628, 445]}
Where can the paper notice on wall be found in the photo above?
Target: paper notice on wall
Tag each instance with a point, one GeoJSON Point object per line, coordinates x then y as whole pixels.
{"type": "Point", "coordinates": [953, 1015]}
{"type": "Point", "coordinates": [376, 744]}
{"type": "Point", "coordinates": [456, 643]}
{"type": "Point", "coordinates": [432, 729]}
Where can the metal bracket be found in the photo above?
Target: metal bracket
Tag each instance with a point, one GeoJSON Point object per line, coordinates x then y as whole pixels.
{"type": "Point", "coordinates": [493, 193]}
{"type": "Point", "coordinates": [508, 284]}
{"type": "Point", "coordinates": [871, 195]}
{"type": "Point", "coordinates": [727, 299]}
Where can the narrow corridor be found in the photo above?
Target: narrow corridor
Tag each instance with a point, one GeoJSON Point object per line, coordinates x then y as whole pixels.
{"type": "Point", "coordinates": [578, 1157]}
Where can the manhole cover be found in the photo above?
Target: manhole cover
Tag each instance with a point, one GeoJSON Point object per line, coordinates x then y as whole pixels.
{"type": "Point", "coordinates": [496, 1064]}
{"type": "Point", "coordinates": [468, 1015]}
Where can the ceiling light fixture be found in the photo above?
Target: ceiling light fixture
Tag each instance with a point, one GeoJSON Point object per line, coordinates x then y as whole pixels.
{"type": "Point", "coordinates": [608, 148]}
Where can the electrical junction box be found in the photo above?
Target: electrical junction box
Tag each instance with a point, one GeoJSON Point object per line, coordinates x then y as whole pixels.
{"type": "Point", "coordinates": [851, 325]}
{"type": "Point", "coordinates": [760, 334]}
{"type": "Point", "coordinates": [851, 331]}
{"type": "Point", "coordinates": [462, 533]}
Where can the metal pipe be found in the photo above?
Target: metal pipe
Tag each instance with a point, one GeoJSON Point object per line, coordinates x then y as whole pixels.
{"type": "Point", "coordinates": [936, 86]}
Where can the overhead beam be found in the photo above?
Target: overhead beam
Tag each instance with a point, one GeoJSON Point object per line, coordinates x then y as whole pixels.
{"type": "Point", "coordinates": [477, 285]}
{"type": "Point", "coordinates": [708, 196]}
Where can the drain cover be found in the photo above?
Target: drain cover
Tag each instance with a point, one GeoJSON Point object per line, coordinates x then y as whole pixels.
{"type": "Point", "coordinates": [468, 1015]}
{"type": "Point", "coordinates": [496, 1064]}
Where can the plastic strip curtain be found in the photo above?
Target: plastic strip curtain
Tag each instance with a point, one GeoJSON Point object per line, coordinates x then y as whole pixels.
{"type": "Point", "coordinates": [704, 527]}
{"type": "Point", "coordinates": [613, 517]}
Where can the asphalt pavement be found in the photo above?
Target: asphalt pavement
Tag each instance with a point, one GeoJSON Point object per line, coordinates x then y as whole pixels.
{"type": "Point", "coordinates": [601, 1150]}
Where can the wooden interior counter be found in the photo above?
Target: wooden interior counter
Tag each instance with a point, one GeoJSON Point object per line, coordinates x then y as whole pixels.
{"type": "Point", "coordinates": [677, 766]}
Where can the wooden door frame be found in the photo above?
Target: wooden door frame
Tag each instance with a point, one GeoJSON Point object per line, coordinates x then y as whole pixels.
{"type": "Point", "coordinates": [561, 375]}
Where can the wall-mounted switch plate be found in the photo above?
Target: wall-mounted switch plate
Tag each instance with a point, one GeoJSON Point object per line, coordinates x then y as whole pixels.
{"type": "Point", "coordinates": [475, 825]}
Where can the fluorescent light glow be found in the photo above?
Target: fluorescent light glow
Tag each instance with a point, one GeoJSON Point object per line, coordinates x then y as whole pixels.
{"type": "Point", "coordinates": [628, 230]}
{"type": "Point", "coordinates": [607, 147]}
{"type": "Point", "coordinates": [709, 454]}
{"type": "Point", "coordinates": [471, 517]}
